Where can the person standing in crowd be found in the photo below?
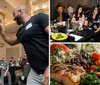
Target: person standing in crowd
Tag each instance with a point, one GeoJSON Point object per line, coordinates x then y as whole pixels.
{"type": "Point", "coordinates": [70, 10]}
{"type": "Point", "coordinates": [4, 67]}
{"type": "Point", "coordinates": [33, 35]}
{"type": "Point", "coordinates": [93, 21]}
{"type": "Point", "coordinates": [59, 13]}
{"type": "Point", "coordinates": [78, 17]}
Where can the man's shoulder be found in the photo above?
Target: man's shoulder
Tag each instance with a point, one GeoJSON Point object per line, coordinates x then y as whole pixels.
{"type": "Point", "coordinates": [40, 15]}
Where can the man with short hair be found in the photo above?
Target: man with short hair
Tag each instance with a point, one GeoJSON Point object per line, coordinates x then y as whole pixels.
{"type": "Point", "coordinates": [4, 67]}
{"type": "Point", "coordinates": [33, 35]}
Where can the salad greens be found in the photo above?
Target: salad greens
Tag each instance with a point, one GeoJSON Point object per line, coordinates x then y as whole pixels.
{"type": "Point", "coordinates": [52, 82]}
{"type": "Point", "coordinates": [90, 79]}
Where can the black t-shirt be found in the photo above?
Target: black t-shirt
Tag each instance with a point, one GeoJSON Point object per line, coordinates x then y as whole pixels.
{"type": "Point", "coordinates": [65, 16]}
{"type": "Point", "coordinates": [36, 41]}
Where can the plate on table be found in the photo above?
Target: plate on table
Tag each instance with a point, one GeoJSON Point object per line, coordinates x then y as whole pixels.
{"type": "Point", "coordinates": [59, 36]}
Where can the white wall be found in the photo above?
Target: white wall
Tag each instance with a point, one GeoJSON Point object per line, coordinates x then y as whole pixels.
{"type": "Point", "coordinates": [11, 51]}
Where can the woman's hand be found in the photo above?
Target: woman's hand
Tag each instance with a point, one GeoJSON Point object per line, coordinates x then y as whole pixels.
{"type": "Point", "coordinates": [97, 30]}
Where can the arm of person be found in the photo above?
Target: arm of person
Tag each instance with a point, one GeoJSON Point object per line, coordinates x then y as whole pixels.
{"type": "Point", "coordinates": [97, 30]}
{"type": "Point", "coordinates": [85, 23]}
{"type": "Point", "coordinates": [2, 67]}
{"type": "Point", "coordinates": [82, 20]}
{"type": "Point", "coordinates": [44, 22]}
{"type": "Point", "coordinates": [6, 72]}
{"type": "Point", "coordinates": [46, 76]}
{"type": "Point", "coordinates": [7, 69]}
{"type": "Point", "coordinates": [47, 29]}
{"type": "Point", "coordinates": [73, 20]}
{"type": "Point", "coordinates": [9, 40]}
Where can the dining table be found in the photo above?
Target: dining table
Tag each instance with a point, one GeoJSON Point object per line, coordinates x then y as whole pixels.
{"type": "Point", "coordinates": [84, 35]}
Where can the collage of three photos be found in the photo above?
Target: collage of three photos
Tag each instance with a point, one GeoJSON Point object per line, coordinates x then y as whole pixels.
{"type": "Point", "coordinates": [49, 42]}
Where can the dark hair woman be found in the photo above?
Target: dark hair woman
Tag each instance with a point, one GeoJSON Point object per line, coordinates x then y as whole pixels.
{"type": "Point", "coordinates": [78, 16]}
{"type": "Point", "coordinates": [93, 21]}
{"type": "Point", "coordinates": [59, 13]}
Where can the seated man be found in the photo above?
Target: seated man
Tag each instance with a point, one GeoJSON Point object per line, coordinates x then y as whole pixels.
{"type": "Point", "coordinates": [4, 67]}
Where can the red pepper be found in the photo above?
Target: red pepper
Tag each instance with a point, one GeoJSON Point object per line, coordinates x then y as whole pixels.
{"type": "Point", "coordinates": [62, 46]}
{"type": "Point", "coordinates": [52, 47]}
{"type": "Point", "coordinates": [98, 74]}
{"type": "Point", "coordinates": [92, 68]}
{"type": "Point", "coordinates": [96, 56]}
{"type": "Point", "coordinates": [97, 62]}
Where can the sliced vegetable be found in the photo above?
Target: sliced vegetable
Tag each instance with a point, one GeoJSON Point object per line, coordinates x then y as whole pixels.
{"type": "Point", "coordinates": [92, 69]}
{"type": "Point", "coordinates": [61, 46]}
{"type": "Point", "coordinates": [98, 74]}
{"type": "Point", "coordinates": [97, 62]}
{"type": "Point", "coordinates": [96, 56]}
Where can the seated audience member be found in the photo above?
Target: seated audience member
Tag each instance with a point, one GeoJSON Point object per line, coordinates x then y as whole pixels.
{"type": "Point", "coordinates": [19, 61]}
{"type": "Point", "coordinates": [26, 68]}
{"type": "Point", "coordinates": [78, 17]}
{"type": "Point", "coordinates": [98, 9]}
{"type": "Point", "coordinates": [59, 13]}
{"type": "Point", "coordinates": [4, 67]}
{"type": "Point", "coordinates": [12, 64]}
{"type": "Point", "coordinates": [93, 22]}
{"type": "Point", "coordinates": [12, 61]}
{"type": "Point", "coordinates": [87, 10]}
{"type": "Point", "coordinates": [70, 10]}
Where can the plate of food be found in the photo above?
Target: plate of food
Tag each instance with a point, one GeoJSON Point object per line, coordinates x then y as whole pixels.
{"type": "Point", "coordinates": [74, 66]}
{"type": "Point", "coordinates": [59, 36]}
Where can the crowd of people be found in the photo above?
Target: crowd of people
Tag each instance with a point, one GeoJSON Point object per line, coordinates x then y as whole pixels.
{"type": "Point", "coordinates": [82, 16]}
{"type": "Point", "coordinates": [8, 70]}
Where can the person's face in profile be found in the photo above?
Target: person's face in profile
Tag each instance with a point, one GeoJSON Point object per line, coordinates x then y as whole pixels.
{"type": "Point", "coordinates": [80, 10]}
{"type": "Point", "coordinates": [17, 16]}
{"type": "Point", "coordinates": [12, 59]}
{"type": "Point", "coordinates": [96, 10]}
{"type": "Point", "coordinates": [3, 59]}
{"type": "Point", "coordinates": [60, 9]}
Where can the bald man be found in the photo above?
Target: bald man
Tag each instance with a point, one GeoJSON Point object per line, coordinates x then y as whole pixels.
{"type": "Point", "coordinates": [33, 35]}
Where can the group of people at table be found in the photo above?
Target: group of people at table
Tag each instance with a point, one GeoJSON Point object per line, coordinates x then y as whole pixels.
{"type": "Point", "coordinates": [83, 16]}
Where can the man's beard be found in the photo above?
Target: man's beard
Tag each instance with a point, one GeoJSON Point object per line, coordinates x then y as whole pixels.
{"type": "Point", "coordinates": [19, 20]}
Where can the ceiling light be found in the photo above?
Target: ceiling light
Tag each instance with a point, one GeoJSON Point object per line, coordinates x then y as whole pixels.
{"type": "Point", "coordinates": [31, 2]}
{"type": "Point", "coordinates": [36, 8]}
{"type": "Point", "coordinates": [44, 6]}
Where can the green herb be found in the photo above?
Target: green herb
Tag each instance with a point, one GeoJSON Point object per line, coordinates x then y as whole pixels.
{"type": "Point", "coordinates": [52, 82]}
{"type": "Point", "coordinates": [90, 79]}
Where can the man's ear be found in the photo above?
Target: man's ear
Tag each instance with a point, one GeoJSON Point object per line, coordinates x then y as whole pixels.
{"type": "Point", "coordinates": [21, 12]}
